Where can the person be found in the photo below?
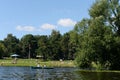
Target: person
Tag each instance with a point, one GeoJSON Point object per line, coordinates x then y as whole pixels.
{"type": "Point", "coordinates": [38, 65]}
{"type": "Point", "coordinates": [1, 64]}
{"type": "Point", "coordinates": [44, 65]}
{"type": "Point", "coordinates": [15, 60]}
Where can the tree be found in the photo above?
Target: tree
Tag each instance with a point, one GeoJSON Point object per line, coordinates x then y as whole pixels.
{"type": "Point", "coordinates": [81, 29]}
{"type": "Point", "coordinates": [64, 43]}
{"type": "Point", "coordinates": [29, 46]}
{"type": "Point", "coordinates": [12, 44]}
{"type": "Point", "coordinates": [2, 50]}
{"type": "Point", "coordinates": [54, 42]}
{"type": "Point", "coordinates": [95, 44]}
{"type": "Point", "coordinates": [110, 10]}
{"type": "Point", "coordinates": [100, 40]}
{"type": "Point", "coordinates": [43, 47]}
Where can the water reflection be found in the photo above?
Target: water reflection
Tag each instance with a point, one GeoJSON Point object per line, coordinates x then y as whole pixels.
{"type": "Point", "coordinates": [56, 74]}
{"type": "Point", "coordinates": [26, 73]}
{"type": "Point", "coordinates": [99, 75]}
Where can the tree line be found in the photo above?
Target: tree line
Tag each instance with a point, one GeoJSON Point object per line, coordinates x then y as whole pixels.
{"type": "Point", "coordinates": [52, 47]}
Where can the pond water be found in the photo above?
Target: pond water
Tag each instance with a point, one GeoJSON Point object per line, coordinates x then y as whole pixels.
{"type": "Point", "coordinates": [26, 73]}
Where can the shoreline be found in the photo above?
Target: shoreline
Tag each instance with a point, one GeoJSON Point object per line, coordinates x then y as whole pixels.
{"type": "Point", "coordinates": [34, 62]}
{"type": "Point", "coordinates": [99, 71]}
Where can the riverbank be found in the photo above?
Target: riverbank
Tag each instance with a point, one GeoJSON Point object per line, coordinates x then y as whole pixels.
{"type": "Point", "coordinates": [99, 71]}
{"type": "Point", "coordinates": [34, 62]}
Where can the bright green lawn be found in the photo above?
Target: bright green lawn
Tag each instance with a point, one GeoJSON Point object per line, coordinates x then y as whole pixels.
{"type": "Point", "coordinates": [33, 62]}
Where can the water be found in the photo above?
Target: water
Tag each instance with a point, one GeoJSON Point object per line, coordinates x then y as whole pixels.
{"type": "Point", "coordinates": [99, 75]}
{"type": "Point", "coordinates": [26, 73]}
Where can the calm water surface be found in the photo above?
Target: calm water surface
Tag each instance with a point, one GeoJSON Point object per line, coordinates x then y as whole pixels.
{"type": "Point", "coordinates": [26, 73]}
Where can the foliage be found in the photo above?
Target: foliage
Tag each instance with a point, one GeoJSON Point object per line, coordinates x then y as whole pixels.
{"type": "Point", "coordinates": [2, 50]}
{"type": "Point", "coordinates": [29, 45]}
{"type": "Point", "coordinates": [12, 45]}
{"type": "Point", "coordinates": [52, 47]}
{"type": "Point", "coordinates": [55, 47]}
{"type": "Point", "coordinates": [43, 47]}
{"type": "Point", "coordinates": [98, 37]}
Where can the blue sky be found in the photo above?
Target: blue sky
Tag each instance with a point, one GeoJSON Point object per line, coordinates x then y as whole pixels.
{"type": "Point", "coordinates": [39, 17]}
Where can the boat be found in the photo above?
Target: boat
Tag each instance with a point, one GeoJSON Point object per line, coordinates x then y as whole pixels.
{"type": "Point", "coordinates": [33, 67]}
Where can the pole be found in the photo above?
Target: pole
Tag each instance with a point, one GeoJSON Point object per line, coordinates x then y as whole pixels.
{"type": "Point", "coordinates": [29, 52]}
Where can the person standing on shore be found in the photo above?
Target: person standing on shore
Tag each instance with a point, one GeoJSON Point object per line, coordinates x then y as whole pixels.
{"type": "Point", "coordinates": [38, 65]}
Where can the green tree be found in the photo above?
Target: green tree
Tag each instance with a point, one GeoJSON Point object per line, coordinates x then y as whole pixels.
{"type": "Point", "coordinates": [64, 43]}
{"type": "Point", "coordinates": [54, 43]}
{"type": "Point", "coordinates": [29, 46]}
{"type": "Point", "coordinates": [2, 50]}
{"type": "Point", "coordinates": [100, 39]}
{"type": "Point", "coordinates": [110, 10]}
{"type": "Point", "coordinates": [81, 29]}
{"type": "Point", "coordinates": [12, 45]}
{"type": "Point", "coordinates": [43, 47]}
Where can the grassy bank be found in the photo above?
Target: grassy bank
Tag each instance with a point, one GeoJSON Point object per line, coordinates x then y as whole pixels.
{"type": "Point", "coordinates": [33, 62]}
{"type": "Point", "coordinates": [98, 71]}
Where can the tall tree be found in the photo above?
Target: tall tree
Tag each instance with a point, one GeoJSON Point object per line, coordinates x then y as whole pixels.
{"type": "Point", "coordinates": [29, 46]}
{"type": "Point", "coordinates": [64, 43]}
{"type": "Point", "coordinates": [43, 47]}
{"type": "Point", "coordinates": [12, 44]}
{"type": "Point", "coordinates": [99, 42]}
{"type": "Point", "coordinates": [110, 10]}
{"type": "Point", "coordinates": [55, 39]}
{"type": "Point", "coordinates": [2, 50]}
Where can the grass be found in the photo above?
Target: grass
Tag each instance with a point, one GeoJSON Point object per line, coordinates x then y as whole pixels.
{"type": "Point", "coordinates": [33, 62]}
{"type": "Point", "coordinates": [115, 71]}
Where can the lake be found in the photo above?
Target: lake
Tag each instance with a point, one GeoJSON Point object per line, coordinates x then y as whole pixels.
{"type": "Point", "coordinates": [26, 73]}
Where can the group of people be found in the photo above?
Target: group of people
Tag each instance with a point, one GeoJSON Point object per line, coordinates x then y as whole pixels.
{"type": "Point", "coordinates": [38, 64]}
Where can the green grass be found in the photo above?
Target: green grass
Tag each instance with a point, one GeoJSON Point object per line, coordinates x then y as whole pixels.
{"type": "Point", "coordinates": [33, 62]}
{"type": "Point", "coordinates": [115, 71]}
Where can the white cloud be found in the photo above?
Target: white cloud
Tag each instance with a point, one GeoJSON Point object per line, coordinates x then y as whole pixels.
{"type": "Point", "coordinates": [25, 28]}
{"type": "Point", "coordinates": [66, 22]}
{"type": "Point", "coordinates": [48, 26]}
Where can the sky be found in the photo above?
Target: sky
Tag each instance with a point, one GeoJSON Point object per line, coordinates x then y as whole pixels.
{"type": "Point", "coordinates": [40, 17]}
